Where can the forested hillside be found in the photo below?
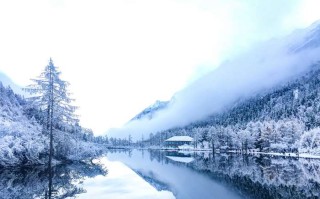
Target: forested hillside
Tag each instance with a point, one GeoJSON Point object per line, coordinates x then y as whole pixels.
{"type": "Point", "coordinates": [24, 142]}
{"type": "Point", "coordinates": [21, 139]}
{"type": "Point", "coordinates": [285, 118]}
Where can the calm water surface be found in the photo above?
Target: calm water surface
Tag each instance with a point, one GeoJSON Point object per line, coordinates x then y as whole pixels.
{"type": "Point", "coordinates": [165, 175]}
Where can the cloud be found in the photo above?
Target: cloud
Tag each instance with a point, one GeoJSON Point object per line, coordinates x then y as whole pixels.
{"type": "Point", "coordinates": [265, 66]}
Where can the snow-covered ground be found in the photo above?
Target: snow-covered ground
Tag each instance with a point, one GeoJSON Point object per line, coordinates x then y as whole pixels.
{"type": "Point", "coordinates": [300, 155]}
{"type": "Point", "coordinates": [190, 148]}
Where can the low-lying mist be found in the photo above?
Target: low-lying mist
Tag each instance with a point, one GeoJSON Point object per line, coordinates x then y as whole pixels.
{"type": "Point", "coordinates": [263, 67]}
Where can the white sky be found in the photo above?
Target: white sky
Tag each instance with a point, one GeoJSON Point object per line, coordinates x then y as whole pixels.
{"type": "Point", "coordinates": [120, 56]}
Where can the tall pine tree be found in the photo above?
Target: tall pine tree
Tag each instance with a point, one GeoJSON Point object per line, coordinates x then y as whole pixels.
{"type": "Point", "coordinates": [50, 95]}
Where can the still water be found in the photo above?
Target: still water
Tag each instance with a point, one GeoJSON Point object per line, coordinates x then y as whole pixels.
{"type": "Point", "coordinates": [165, 175]}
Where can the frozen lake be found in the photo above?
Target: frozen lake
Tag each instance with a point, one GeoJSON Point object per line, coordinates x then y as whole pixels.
{"type": "Point", "coordinates": [139, 174]}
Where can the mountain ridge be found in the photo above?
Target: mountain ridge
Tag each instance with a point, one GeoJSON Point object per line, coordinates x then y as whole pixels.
{"type": "Point", "coordinates": [149, 112]}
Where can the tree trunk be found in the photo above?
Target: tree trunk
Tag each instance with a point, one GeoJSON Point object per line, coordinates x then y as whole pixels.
{"type": "Point", "coordinates": [51, 120]}
{"type": "Point", "coordinates": [50, 111]}
{"type": "Point", "coordinates": [50, 182]}
{"type": "Point", "coordinates": [213, 149]}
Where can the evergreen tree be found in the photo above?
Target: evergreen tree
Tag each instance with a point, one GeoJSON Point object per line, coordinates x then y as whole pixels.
{"type": "Point", "coordinates": [51, 96]}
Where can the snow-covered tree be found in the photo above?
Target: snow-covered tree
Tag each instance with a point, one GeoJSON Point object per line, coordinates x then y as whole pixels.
{"type": "Point", "coordinates": [213, 136]}
{"type": "Point", "coordinates": [51, 96]}
{"type": "Point", "coordinates": [310, 141]}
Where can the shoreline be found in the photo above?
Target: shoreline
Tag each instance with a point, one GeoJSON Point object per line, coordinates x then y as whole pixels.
{"type": "Point", "coordinates": [292, 155]}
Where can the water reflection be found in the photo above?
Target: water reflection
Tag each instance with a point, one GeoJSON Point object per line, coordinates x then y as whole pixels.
{"type": "Point", "coordinates": [203, 175]}
{"type": "Point", "coordinates": [138, 174]}
{"type": "Point", "coordinates": [37, 182]}
{"type": "Point", "coordinates": [174, 176]}
{"type": "Point", "coordinates": [178, 156]}
{"type": "Point", "coordinates": [121, 183]}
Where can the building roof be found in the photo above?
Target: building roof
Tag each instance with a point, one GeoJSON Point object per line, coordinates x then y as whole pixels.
{"type": "Point", "coordinates": [180, 138]}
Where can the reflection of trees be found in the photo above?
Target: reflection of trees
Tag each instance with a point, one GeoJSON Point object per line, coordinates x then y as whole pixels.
{"type": "Point", "coordinates": [265, 177]}
{"type": "Point", "coordinates": [256, 176]}
{"type": "Point", "coordinates": [33, 182]}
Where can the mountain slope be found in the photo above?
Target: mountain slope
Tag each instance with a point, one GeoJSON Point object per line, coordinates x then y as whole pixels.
{"type": "Point", "coordinates": [21, 140]}
{"type": "Point", "coordinates": [280, 112]}
{"type": "Point", "coordinates": [282, 118]}
{"type": "Point", "coordinates": [149, 112]}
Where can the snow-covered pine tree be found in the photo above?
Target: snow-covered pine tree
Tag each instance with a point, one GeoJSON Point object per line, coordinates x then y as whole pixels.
{"type": "Point", "coordinates": [51, 96]}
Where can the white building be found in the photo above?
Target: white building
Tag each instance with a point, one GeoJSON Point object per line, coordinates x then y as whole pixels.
{"type": "Point", "coordinates": [176, 141]}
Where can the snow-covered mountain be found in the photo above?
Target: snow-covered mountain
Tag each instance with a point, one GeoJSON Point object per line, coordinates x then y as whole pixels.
{"type": "Point", "coordinates": [149, 112]}
{"type": "Point", "coordinates": [267, 99]}
{"type": "Point", "coordinates": [307, 38]}
{"type": "Point", "coordinates": [282, 118]}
